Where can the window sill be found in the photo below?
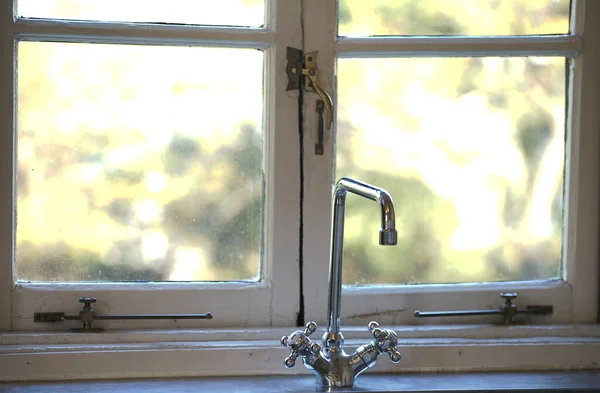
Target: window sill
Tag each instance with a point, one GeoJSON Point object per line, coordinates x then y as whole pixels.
{"type": "Point", "coordinates": [556, 382]}
{"type": "Point", "coordinates": [38, 356]}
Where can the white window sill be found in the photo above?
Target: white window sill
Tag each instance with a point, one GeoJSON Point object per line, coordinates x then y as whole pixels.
{"type": "Point", "coordinates": [531, 382]}
{"type": "Point", "coordinates": [39, 356]}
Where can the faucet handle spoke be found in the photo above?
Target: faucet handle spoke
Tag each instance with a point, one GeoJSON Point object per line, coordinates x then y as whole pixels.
{"type": "Point", "coordinates": [290, 342]}
{"type": "Point", "coordinates": [311, 327]}
{"type": "Point", "coordinates": [290, 361]}
{"type": "Point", "coordinates": [385, 340]}
{"type": "Point", "coordinates": [394, 355]}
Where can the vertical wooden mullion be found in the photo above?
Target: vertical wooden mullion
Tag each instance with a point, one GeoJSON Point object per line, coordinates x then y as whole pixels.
{"type": "Point", "coordinates": [583, 167]}
{"type": "Point", "coordinates": [7, 157]}
{"type": "Point", "coordinates": [282, 156]}
{"type": "Point", "coordinates": [320, 27]}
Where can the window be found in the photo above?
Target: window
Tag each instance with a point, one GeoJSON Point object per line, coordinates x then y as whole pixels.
{"type": "Point", "coordinates": [473, 116]}
{"type": "Point", "coordinates": [154, 161]}
{"type": "Point", "coordinates": [484, 132]}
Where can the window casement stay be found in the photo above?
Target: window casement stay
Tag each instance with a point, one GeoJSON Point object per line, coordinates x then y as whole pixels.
{"type": "Point", "coordinates": [508, 310]}
{"type": "Point", "coordinates": [88, 315]}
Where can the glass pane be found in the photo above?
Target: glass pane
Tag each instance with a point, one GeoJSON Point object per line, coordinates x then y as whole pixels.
{"type": "Point", "coordinates": [453, 17]}
{"type": "Point", "coordinates": [139, 163]}
{"type": "Point", "coordinates": [222, 12]}
{"type": "Point", "coordinates": [472, 152]}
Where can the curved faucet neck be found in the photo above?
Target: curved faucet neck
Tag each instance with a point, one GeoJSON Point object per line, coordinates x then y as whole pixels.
{"type": "Point", "coordinates": [387, 236]}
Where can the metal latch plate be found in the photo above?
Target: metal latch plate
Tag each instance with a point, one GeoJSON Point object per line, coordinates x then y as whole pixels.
{"type": "Point", "coordinates": [295, 63]}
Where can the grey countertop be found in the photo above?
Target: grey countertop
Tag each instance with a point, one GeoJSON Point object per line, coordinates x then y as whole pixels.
{"type": "Point", "coordinates": [574, 381]}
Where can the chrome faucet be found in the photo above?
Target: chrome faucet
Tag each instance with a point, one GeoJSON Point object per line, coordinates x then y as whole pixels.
{"type": "Point", "coordinates": [328, 361]}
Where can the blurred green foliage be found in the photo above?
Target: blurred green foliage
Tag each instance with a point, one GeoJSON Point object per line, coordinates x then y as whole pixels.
{"type": "Point", "coordinates": [453, 17]}
{"type": "Point", "coordinates": [131, 170]}
{"type": "Point", "coordinates": [471, 149]}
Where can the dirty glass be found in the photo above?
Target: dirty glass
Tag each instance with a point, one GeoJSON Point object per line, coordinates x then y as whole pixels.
{"type": "Point", "coordinates": [217, 13]}
{"type": "Point", "coordinates": [138, 163]}
{"type": "Point", "coordinates": [361, 18]}
{"type": "Point", "coordinates": [472, 152]}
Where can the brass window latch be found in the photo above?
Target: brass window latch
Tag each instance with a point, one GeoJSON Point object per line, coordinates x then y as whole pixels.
{"type": "Point", "coordinates": [508, 310]}
{"type": "Point", "coordinates": [302, 72]}
{"type": "Point", "coordinates": [87, 316]}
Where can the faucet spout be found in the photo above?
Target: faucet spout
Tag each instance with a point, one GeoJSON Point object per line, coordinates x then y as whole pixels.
{"type": "Point", "coordinates": [387, 237]}
{"type": "Point", "coordinates": [328, 362]}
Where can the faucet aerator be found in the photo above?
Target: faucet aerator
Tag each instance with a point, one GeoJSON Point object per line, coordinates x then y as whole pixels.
{"type": "Point", "coordinates": [388, 237]}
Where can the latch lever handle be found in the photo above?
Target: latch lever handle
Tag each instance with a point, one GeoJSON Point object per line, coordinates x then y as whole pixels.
{"type": "Point", "coordinates": [320, 132]}
{"type": "Point", "coordinates": [311, 72]}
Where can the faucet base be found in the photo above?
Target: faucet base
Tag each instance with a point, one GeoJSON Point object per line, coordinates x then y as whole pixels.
{"type": "Point", "coordinates": [338, 371]}
{"type": "Point", "coordinates": [333, 382]}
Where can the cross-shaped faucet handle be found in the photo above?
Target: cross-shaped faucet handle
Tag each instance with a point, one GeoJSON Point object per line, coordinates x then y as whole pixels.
{"type": "Point", "coordinates": [299, 344]}
{"type": "Point", "coordinates": [386, 341]}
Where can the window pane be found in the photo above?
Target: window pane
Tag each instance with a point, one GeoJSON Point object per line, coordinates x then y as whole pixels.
{"type": "Point", "coordinates": [139, 163]}
{"type": "Point", "coordinates": [471, 150]}
{"type": "Point", "coordinates": [221, 12]}
{"type": "Point", "coordinates": [453, 17]}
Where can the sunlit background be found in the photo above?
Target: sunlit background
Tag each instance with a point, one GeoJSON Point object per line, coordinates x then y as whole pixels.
{"type": "Point", "coordinates": [471, 149]}
{"type": "Point", "coordinates": [202, 12]}
{"type": "Point", "coordinates": [361, 18]}
{"type": "Point", "coordinates": [141, 163]}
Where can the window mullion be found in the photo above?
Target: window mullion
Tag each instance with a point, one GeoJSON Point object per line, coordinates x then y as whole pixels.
{"type": "Point", "coordinates": [581, 177]}
{"type": "Point", "coordinates": [319, 35]}
{"type": "Point", "coordinates": [7, 174]}
{"type": "Point", "coordinates": [568, 46]}
{"type": "Point", "coordinates": [140, 33]}
{"type": "Point", "coordinates": [282, 163]}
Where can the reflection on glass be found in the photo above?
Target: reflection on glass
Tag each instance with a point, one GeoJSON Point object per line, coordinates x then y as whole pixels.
{"type": "Point", "coordinates": [138, 163]}
{"type": "Point", "coordinates": [471, 150]}
{"type": "Point", "coordinates": [222, 12]}
{"type": "Point", "coordinates": [361, 18]}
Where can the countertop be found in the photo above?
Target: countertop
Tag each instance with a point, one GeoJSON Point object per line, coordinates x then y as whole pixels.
{"type": "Point", "coordinates": [556, 382]}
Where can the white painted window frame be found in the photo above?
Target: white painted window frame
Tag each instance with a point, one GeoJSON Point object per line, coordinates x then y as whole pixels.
{"type": "Point", "coordinates": [137, 353]}
{"type": "Point", "coordinates": [575, 295]}
{"type": "Point", "coordinates": [273, 301]}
